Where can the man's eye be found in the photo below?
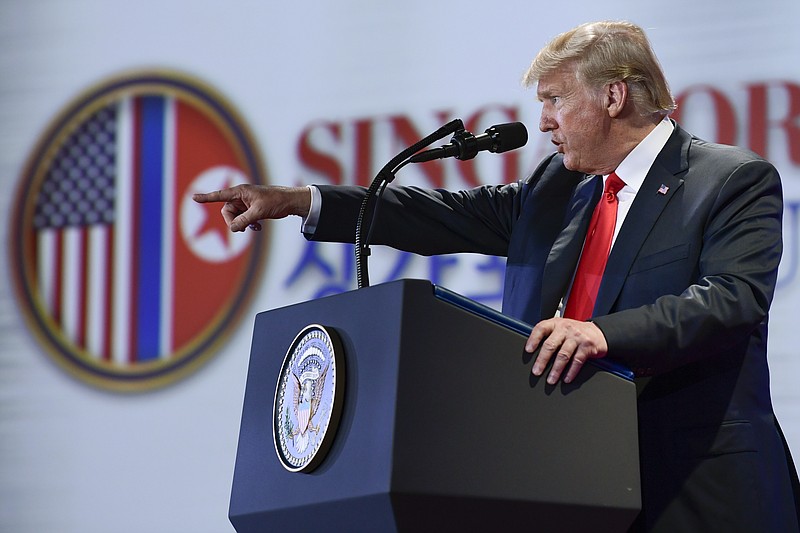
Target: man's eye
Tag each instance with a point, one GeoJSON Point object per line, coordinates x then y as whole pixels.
{"type": "Point", "coordinates": [555, 99]}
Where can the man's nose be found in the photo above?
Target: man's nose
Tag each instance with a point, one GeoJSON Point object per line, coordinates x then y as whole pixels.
{"type": "Point", "coordinates": [546, 122]}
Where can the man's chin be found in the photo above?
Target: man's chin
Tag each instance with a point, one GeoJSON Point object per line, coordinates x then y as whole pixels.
{"type": "Point", "coordinates": [575, 166]}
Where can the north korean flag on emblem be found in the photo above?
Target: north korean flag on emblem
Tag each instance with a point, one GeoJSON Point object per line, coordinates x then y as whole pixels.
{"type": "Point", "coordinates": [127, 267]}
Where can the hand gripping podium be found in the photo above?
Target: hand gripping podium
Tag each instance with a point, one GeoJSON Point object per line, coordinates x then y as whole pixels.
{"type": "Point", "coordinates": [442, 428]}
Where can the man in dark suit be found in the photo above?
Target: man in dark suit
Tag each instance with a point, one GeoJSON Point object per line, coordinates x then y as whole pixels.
{"type": "Point", "coordinates": [685, 290]}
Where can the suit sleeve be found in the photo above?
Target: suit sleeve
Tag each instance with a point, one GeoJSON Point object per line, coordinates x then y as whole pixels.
{"type": "Point", "coordinates": [426, 222]}
{"type": "Point", "coordinates": [731, 295]}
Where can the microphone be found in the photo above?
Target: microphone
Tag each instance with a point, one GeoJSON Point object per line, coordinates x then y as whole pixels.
{"type": "Point", "coordinates": [464, 145]}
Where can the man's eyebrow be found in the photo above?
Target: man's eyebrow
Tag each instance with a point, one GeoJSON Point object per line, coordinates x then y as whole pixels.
{"type": "Point", "coordinates": [543, 94]}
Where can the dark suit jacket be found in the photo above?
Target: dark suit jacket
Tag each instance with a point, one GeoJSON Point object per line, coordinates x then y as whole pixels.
{"type": "Point", "coordinates": [684, 302]}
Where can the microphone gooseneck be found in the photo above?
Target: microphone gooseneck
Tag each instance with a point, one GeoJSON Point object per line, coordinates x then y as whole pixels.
{"type": "Point", "coordinates": [464, 145]}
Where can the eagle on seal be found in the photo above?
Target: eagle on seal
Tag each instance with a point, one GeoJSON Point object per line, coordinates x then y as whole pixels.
{"type": "Point", "coordinates": [307, 397]}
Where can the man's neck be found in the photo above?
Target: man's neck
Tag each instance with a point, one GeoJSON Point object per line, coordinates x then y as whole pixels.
{"type": "Point", "coordinates": [626, 135]}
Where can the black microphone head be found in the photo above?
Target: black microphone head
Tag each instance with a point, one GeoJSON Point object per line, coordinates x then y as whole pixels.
{"type": "Point", "coordinates": [507, 137]}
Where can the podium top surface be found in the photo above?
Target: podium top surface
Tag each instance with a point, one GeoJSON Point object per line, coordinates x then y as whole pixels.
{"type": "Point", "coordinates": [519, 326]}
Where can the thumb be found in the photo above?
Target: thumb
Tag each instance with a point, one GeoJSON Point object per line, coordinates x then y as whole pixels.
{"type": "Point", "coordinates": [241, 222]}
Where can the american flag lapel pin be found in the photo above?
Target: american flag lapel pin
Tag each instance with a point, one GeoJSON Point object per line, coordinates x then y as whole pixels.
{"type": "Point", "coordinates": [663, 189]}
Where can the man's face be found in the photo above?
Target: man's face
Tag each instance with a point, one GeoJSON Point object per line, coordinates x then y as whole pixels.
{"type": "Point", "coordinates": [575, 117]}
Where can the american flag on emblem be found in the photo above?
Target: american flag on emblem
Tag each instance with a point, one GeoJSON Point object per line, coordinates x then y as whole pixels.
{"type": "Point", "coordinates": [74, 221]}
{"type": "Point", "coordinates": [116, 272]}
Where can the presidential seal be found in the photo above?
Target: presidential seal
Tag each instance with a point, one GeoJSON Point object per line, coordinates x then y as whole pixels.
{"type": "Point", "coordinates": [308, 399]}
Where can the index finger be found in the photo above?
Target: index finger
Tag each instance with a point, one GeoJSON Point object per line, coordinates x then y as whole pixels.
{"type": "Point", "coordinates": [538, 333]}
{"type": "Point", "coordinates": [225, 195]}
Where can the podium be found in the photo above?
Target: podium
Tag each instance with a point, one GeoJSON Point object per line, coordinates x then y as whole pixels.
{"type": "Point", "coordinates": [443, 427]}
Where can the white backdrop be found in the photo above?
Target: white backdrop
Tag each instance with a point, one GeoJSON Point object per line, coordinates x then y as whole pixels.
{"type": "Point", "coordinates": [74, 458]}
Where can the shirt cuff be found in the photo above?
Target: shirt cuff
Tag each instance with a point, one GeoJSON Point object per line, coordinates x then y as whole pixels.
{"type": "Point", "coordinates": [310, 221]}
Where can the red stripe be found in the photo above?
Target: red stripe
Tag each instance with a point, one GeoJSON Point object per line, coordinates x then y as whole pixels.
{"type": "Point", "coordinates": [83, 289]}
{"type": "Point", "coordinates": [108, 304]}
{"type": "Point", "coordinates": [32, 255]}
{"type": "Point", "coordinates": [58, 282]}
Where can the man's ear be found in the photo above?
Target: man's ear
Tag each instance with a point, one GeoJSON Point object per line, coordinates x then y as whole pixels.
{"type": "Point", "coordinates": [616, 97]}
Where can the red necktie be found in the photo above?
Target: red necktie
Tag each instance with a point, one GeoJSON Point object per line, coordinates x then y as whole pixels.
{"type": "Point", "coordinates": [595, 253]}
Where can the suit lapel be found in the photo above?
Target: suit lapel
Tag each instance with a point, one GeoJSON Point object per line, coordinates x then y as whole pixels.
{"type": "Point", "coordinates": [660, 184]}
{"type": "Point", "coordinates": [564, 254]}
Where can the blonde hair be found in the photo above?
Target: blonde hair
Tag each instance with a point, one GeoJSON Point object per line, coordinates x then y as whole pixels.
{"type": "Point", "coordinates": [606, 52]}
